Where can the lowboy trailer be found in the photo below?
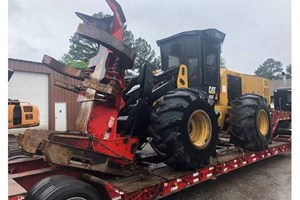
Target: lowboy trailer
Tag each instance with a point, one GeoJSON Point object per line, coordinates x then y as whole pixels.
{"type": "Point", "coordinates": [158, 182]}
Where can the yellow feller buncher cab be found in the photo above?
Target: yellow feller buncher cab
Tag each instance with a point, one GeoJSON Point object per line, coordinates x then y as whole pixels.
{"type": "Point", "coordinates": [20, 115]}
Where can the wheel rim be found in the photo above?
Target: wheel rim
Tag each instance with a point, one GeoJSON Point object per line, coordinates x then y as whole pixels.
{"type": "Point", "coordinates": [76, 198]}
{"type": "Point", "coordinates": [263, 123]}
{"type": "Point", "coordinates": [199, 129]}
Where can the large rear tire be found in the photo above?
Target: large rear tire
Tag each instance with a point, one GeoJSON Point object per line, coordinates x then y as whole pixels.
{"type": "Point", "coordinates": [184, 128]}
{"type": "Point", "coordinates": [250, 123]}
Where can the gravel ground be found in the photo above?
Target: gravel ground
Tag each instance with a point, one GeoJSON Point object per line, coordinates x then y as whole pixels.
{"type": "Point", "coordinates": [265, 180]}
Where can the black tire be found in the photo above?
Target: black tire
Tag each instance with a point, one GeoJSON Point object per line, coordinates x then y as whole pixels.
{"type": "Point", "coordinates": [243, 123]}
{"type": "Point", "coordinates": [36, 189]}
{"type": "Point", "coordinates": [61, 188]}
{"type": "Point", "coordinates": [169, 129]}
{"type": "Point", "coordinates": [13, 146]}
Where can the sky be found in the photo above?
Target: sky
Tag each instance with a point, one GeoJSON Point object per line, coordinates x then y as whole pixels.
{"type": "Point", "coordinates": [255, 30]}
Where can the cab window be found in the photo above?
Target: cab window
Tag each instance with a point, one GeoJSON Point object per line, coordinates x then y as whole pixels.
{"type": "Point", "coordinates": [211, 73]}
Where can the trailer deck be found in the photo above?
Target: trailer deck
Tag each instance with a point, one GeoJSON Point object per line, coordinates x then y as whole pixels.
{"type": "Point", "coordinates": [163, 180]}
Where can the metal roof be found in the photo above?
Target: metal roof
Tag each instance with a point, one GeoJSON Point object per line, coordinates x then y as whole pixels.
{"type": "Point", "coordinates": [204, 33]}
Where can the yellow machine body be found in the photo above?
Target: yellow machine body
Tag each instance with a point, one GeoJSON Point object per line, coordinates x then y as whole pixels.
{"type": "Point", "coordinates": [182, 78]}
{"type": "Point", "coordinates": [248, 84]}
{"type": "Point", "coordinates": [22, 115]}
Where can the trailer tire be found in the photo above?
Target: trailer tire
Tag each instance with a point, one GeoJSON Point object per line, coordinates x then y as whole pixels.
{"type": "Point", "coordinates": [184, 128]}
{"type": "Point", "coordinates": [13, 146]}
{"type": "Point", "coordinates": [250, 123]}
{"type": "Point", "coordinates": [43, 184]}
{"type": "Point", "coordinates": [61, 188]}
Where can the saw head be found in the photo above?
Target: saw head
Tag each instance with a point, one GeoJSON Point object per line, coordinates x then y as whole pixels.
{"type": "Point", "coordinates": [100, 94]}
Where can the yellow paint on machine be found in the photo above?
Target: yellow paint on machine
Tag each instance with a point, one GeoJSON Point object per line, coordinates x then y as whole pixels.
{"type": "Point", "coordinates": [182, 78]}
{"type": "Point", "coordinates": [250, 84]}
{"type": "Point", "coordinates": [28, 116]}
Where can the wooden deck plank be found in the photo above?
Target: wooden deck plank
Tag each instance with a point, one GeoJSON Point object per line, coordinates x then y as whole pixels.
{"type": "Point", "coordinates": [14, 188]}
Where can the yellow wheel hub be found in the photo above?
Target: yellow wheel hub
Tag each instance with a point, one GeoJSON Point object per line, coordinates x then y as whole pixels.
{"type": "Point", "coordinates": [199, 129]}
{"type": "Point", "coordinates": [263, 123]}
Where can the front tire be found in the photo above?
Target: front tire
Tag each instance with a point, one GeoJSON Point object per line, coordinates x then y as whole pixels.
{"type": "Point", "coordinates": [184, 129]}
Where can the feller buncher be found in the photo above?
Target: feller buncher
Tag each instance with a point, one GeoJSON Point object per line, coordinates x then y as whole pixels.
{"type": "Point", "coordinates": [179, 111]}
{"type": "Point", "coordinates": [20, 115]}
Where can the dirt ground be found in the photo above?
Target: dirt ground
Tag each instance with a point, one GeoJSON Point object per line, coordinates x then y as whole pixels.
{"type": "Point", "coordinates": [265, 180]}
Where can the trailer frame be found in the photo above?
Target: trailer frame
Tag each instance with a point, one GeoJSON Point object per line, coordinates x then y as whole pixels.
{"type": "Point", "coordinates": [163, 180]}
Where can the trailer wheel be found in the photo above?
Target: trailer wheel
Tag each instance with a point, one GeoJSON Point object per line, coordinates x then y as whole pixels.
{"type": "Point", "coordinates": [13, 147]}
{"type": "Point", "coordinates": [184, 129]}
{"type": "Point", "coordinates": [62, 188]}
{"type": "Point", "coordinates": [250, 123]}
{"type": "Point", "coordinates": [36, 189]}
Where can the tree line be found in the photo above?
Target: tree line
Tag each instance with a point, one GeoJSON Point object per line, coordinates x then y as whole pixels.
{"type": "Point", "coordinates": [81, 50]}
{"type": "Point", "coordinates": [273, 70]}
